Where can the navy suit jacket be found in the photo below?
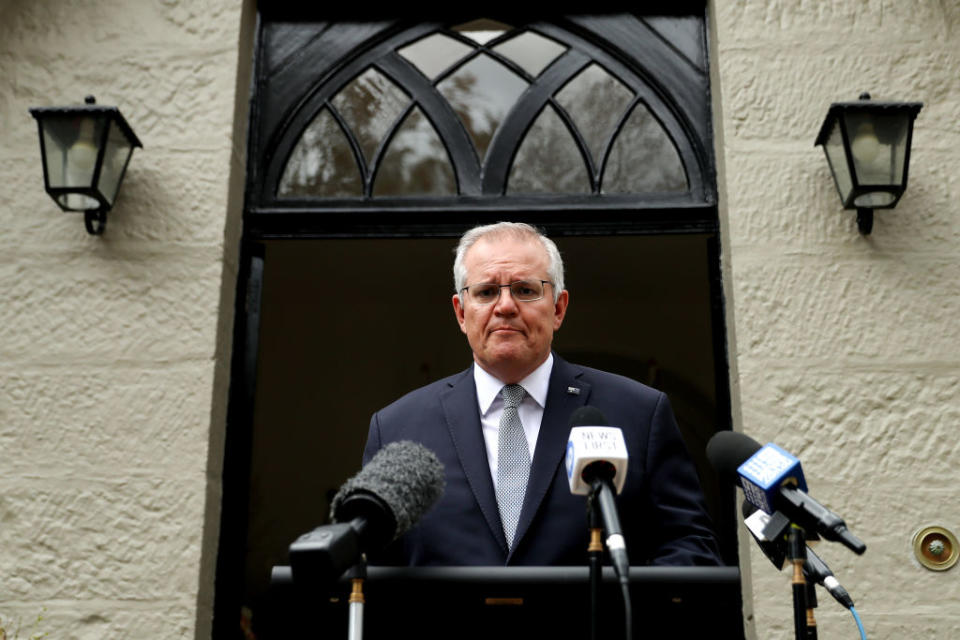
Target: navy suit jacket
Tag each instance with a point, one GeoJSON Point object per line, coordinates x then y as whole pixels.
{"type": "Point", "coordinates": [661, 506]}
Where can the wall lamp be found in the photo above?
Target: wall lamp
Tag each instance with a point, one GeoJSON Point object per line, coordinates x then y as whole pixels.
{"type": "Point", "coordinates": [867, 145]}
{"type": "Point", "coordinates": [85, 150]}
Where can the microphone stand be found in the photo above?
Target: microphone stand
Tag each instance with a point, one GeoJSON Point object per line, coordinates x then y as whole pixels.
{"type": "Point", "coordinates": [811, 605]}
{"type": "Point", "coordinates": [797, 554]}
{"type": "Point", "coordinates": [357, 575]}
{"type": "Point", "coordinates": [595, 560]}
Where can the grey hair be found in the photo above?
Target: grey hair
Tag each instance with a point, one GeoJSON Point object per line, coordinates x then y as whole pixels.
{"type": "Point", "coordinates": [514, 230]}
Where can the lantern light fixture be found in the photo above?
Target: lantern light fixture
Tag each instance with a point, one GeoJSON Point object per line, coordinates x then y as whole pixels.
{"type": "Point", "coordinates": [867, 145]}
{"type": "Point", "coordinates": [85, 150]}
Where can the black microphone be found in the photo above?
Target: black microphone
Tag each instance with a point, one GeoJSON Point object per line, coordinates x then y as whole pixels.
{"type": "Point", "coordinates": [817, 570]}
{"type": "Point", "coordinates": [597, 458]}
{"type": "Point", "coordinates": [814, 568]}
{"type": "Point", "coordinates": [772, 482]}
{"type": "Point", "coordinates": [376, 506]}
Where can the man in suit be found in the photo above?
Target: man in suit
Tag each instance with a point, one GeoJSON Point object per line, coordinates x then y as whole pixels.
{"type": "Point", "coordinates": [500, 429]}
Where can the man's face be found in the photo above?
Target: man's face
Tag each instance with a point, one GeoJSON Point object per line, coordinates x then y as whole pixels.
{"type": "Point", "coordinates": [509, 339]}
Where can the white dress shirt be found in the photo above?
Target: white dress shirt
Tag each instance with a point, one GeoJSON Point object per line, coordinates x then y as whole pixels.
{"type": "Point", "coordinates": [531, 409]}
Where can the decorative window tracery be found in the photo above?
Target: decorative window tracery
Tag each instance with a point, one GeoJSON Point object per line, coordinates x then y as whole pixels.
{"type": "Point", "coordinates": [485, 109]}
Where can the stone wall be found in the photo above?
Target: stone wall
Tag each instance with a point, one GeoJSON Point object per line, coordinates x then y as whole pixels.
{"type": "Point", "coordinates": [847, 348]}
{"type": "Point", "coordinates": [113, 349]}
{"type": "Point", "coordinates": [112, 385]}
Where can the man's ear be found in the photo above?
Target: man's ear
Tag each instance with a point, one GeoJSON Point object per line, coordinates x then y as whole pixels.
{"type": "Point", "coordinates": [560, 309]}
{"type": "Point", "coordinates": [458, 311]}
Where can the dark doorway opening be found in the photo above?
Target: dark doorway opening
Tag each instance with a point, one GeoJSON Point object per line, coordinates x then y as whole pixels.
{"type": "Point", "coordinates": [347, 326]}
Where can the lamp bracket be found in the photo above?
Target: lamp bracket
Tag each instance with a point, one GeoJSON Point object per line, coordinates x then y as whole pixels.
{"type": "Point", "coordinates": [95, 220]}
{"type": "Point", "coordinates": [864, 220]}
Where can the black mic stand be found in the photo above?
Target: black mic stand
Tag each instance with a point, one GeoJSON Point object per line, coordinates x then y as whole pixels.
{"type": "Point", "coordinates": [595, 561]}
{"type": "Point", "coordinates": [811, 605]}
{"type": "Point", "coordinates": [797, 554]}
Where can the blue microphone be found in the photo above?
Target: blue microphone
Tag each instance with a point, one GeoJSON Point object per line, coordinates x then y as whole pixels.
{"type": "Point", "coordinates": [772, 481]}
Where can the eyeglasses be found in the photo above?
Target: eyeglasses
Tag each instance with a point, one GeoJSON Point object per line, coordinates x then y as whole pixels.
{"type": "Point", "coordinates": [521, 290]}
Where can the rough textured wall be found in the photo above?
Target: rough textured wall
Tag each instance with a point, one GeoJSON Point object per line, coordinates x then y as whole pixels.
{"type": "Point", "coordinates": [848, 347]}
{"type": "Point", "coordinates": [111, 381]}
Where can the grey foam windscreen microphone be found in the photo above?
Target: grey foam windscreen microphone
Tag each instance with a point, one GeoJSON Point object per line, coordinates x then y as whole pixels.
{"type": "Point", "coordinates": [392, 492]}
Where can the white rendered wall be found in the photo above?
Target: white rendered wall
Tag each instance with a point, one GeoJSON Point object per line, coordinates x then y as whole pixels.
{"type": "Point", "coordinates": [112, 386]}
{"type": "Point", "coordinates": [847, 348]}
{"type": "Point", "coordinates": [112, 349]}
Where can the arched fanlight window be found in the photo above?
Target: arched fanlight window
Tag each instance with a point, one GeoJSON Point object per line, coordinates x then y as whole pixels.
{"type": "Point", "coordinates": [491, 111]}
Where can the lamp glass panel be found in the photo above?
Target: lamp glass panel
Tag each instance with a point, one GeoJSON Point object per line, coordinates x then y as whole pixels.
{"type": "Point", "coordinates": [837, 157]}
{"type": "Point", "coordinates": [875, 199]}
{"type": "Point", "coordinates": [114, 162]}
{"type": "Point", "coordinates": [70, 144]}
{"type": "Point", "coordinates": [878, 145]}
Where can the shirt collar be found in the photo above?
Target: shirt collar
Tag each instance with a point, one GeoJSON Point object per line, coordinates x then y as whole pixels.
{"type": "Point", "coordinates": [536, 384]}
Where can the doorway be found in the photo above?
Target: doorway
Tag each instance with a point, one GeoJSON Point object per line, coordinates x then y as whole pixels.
{"type": "Point", "coordinates": [348, 326]}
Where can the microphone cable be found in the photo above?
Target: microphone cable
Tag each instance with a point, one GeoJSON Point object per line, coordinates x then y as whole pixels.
{"type": "Point", "coordinates": [627, 609]}
{"type": "Point", "coordinates": [856, 617]}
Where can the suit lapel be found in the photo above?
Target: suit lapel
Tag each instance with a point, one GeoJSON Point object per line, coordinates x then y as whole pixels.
{"type": "Point", "coordinates": [566, 393]}
{"type": "Point", "coordinates": [459, 403]}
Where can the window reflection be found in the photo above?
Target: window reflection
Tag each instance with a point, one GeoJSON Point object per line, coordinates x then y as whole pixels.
{"type": "Point", "coordinates": [548, 160]}
{"type": "Point", "coordinates": [483, 30]}
{"type": "Point", "coordinates": [434, 54]}
{"type": "Point", "coordinates": [370, 104]}
{"type": "Point", "coordinates": [531, 51]}
{"type": "Point", "coordinates": [596, 102]}
{"type": "Point", "coordinates": [416, 162]}
{"type": "Point", "coordinates": [482, 92]}
{"type": "Point", "coordinates": [322, 164]}
{"type": "Point", "coordinates": [643, 158]}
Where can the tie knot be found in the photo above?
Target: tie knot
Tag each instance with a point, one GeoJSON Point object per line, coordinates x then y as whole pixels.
{"type": "Point", "coordinates": [512, 395]}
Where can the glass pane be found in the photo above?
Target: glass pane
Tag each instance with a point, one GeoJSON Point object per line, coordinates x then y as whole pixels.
{"type": "Point", "coordinates": [370, 105]}
{"type": "Point", "coordinates": [548, 160]}
{"type": "Point", "coordinates": [433, 54]}
{"type": "Point", "coordinates": [71, 144]}
{"type": "Point", "coordinates": [838, 161]}
{"type": "Point", "coordinates": [595, 101]}
{"type": "Point", "coordinates": [643, 158]}
{"type": "Point", "coordinates": [483, 30]}
{"type": "Point", "coordinates": [415, 162]}
{"type": "Point", "coordinates": [877, 143]}
{"type": "Point", "coordinates": [482, 92]}
{"type": "Point", "coordinates": [322, 164]}
{"type": "Point", "coordinates": [531, 51]}
{"type": "Point", "coordinates": [114, 162]}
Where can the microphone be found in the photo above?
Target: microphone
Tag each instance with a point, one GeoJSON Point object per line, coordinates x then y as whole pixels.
{"type": "Point", "coordinates": [374, 507]}
{"type": "Point", "coordinates": [597, 465]}
{"type": "Point", "coordinates": [772, 480]}
{"type": "Point", "coordinates": [814, 568]}
{"type": "Point", "coordinates": [817, 570]}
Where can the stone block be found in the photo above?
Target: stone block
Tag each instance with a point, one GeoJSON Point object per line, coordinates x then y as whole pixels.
{"type": "Point", "coordinates": [101, 307]}
{"type": "Point", "coordinates": [852, 424]}
{"type": "Point", "coordinates": [796, 22]}
{"type": "Point", "coordinates": [78, 539]}
{"type": "Point", "coordinates": [104, 620]}
{"type": "Point", "coordinates": [106, 421]}
{"type": "Point", "coordinates": [879, 308]}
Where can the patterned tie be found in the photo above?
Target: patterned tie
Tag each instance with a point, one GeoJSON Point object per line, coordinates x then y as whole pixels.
{"type": "Point", "coordinates": [513, 461]}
